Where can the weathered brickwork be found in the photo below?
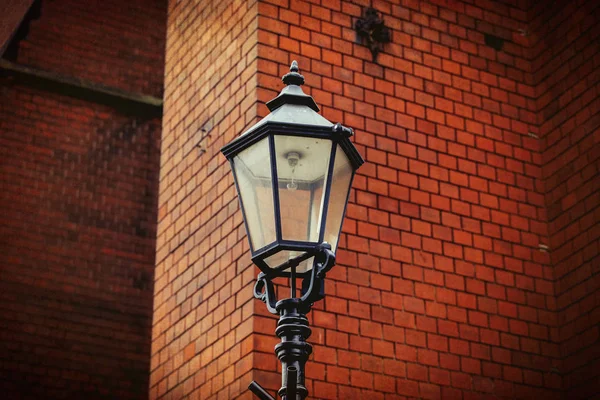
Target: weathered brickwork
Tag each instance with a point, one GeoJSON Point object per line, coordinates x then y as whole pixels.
{"type": "Point", "coordinates": [202, 342]}
{"type": "Point", "coordinates": [111, 42]}
{"type": "Point", "coordinates": [78, 193]}
{"type": "Point", "coordinates": [478, 125]}
{"type": "Point", "coordinates": [567, 69]}
{"type": "Point", "coordinates": [440, 289]}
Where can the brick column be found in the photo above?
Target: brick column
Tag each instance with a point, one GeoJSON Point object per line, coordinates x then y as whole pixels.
{"type": "Point", "coordinates": [202, 342]}
{"type": "Point", "coordinates": [78, 190]}
{"type": "Point", "coordinates": [442, 289]}
{"type": "Point", "coordinates": [566, 66]}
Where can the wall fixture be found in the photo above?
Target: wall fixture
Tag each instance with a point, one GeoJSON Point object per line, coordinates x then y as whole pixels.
{"type": "Point", "coordinates": [293, 171]}
{"type": "Point", "coordinates": [371, 29]}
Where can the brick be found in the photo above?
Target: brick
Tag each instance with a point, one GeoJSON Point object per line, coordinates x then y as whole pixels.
{"type": "Point", "coordinates": [439, 256]}
{"type": "Point", "coordinates": [86, 159]}
{"type": "Point", "coordinates": [362, 379]}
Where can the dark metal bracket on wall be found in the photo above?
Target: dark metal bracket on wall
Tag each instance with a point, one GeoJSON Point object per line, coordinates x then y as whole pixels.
{"type": "Point", "coordinates": [128, 102]}
{"type": "Point", "coordinates": [371, 30]}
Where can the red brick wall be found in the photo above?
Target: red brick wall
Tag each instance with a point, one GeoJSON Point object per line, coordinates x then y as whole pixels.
{"type": "Point", "coordinates": [567, 69]}
{"type": "Point", "coordinates": [202, 345]}
{"type": "Point", "coordinates": [115, 43]}
{"type": "Point", "coordinates": [78, 188]}
{"type": "Point", "coordinates": [441, 290]}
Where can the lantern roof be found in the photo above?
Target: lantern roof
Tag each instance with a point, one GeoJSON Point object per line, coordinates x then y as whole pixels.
{"type": "Point", "coordinates": [292, 105]}
{"type": "Point", "coordinates": [292, 93]}
{"type": "Point", "coordinates": [293, 112]}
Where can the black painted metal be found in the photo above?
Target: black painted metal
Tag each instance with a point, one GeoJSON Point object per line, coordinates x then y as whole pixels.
{"type": "Point", "coordinates": [275, 186]}
{"type": "Point", "coordinates": [338, 134]}
{"type": "Point", "coordinates": [260, 255]}
{"type": "Point", "coordinates": [291, 387]}
{"type": "Point", "coordinates": [292, 327]}
{"type": "Point", "coordinates": [259, 391]}
{"type": "Point", "coordinates": [319, 132]}
{"type": "Point", "coordinates": [342, 130]}
{"type": "Point", "coordinates": [293, 351]}
{"type": "Point", "coordinates": [290, 94]}
{"type": "Point", "coordinates": [293, 77]}
{"type": "Point", "coordinates": [372, 29]}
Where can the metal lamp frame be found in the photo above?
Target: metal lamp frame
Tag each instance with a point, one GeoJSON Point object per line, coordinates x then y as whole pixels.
{"type": "Point", "coordinates": [339, 135]}
{"type": "Point", "coordinates": [292, 327]}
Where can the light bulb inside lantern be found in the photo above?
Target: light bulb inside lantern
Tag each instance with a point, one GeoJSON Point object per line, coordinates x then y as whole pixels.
{"type": "Point", "coordinates": [292, 158]}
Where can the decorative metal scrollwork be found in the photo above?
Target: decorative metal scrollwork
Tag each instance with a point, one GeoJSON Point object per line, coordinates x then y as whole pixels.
{"type": "Point", "coordinates": [370, 28]}
{"type": "Point", "coordinates": [313, 284]}
{"type": "Point", "coordinates": [264, 291]}
{"type": "Point", "coordinates": [292, 327]}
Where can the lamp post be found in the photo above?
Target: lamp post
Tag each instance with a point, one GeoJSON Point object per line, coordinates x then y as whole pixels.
{"type": "Point", "coordinates": [293, 171]}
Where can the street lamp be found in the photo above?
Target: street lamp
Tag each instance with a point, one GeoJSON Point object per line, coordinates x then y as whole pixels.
{"type": "Point", "coordinates": [293, 171]}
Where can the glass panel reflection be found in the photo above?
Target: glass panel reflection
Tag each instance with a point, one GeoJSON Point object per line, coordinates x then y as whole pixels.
{"type": "Point", "coordinates": [302, 165]}
{"type": "Point", "coordinates": [253, 176]}
{"type": "Point", "coordinates": [340, 186]}
{"type": "Point", "coordinates": [279, 258]}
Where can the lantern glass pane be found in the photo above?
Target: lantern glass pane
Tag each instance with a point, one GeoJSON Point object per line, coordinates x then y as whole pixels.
{"type": "Point", "coordinates": [284, 255]}
{"type": "Point", "coordinates": [340, 186]}
{"type": "Point", "coordinates": [252, 168]}
{"type": "Point", "coordinates": [302, 164]}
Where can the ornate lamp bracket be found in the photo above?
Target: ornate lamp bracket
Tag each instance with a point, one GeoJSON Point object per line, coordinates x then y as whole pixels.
{"type": "Point", "coordinates": [292, 327]}
{"type": "Point", "coordinates": [371, 29]}
{"type": "Point", "coordinates": [313, 284]}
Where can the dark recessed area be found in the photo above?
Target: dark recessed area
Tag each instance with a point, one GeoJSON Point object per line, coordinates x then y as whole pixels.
{"type": "Point", "coordinates": [494, 41]}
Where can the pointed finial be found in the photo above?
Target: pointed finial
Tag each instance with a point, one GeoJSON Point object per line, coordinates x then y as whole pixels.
{"type": "Point", "coordinates": [292, 93]}
{"type": "Point", "coordinates": [294, 66]}
{"type": "Point", "coordinates": [293, 77]}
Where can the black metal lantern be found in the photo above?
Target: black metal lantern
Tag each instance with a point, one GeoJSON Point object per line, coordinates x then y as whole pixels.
{"type": "Point", "coordinates": [293, 172]}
